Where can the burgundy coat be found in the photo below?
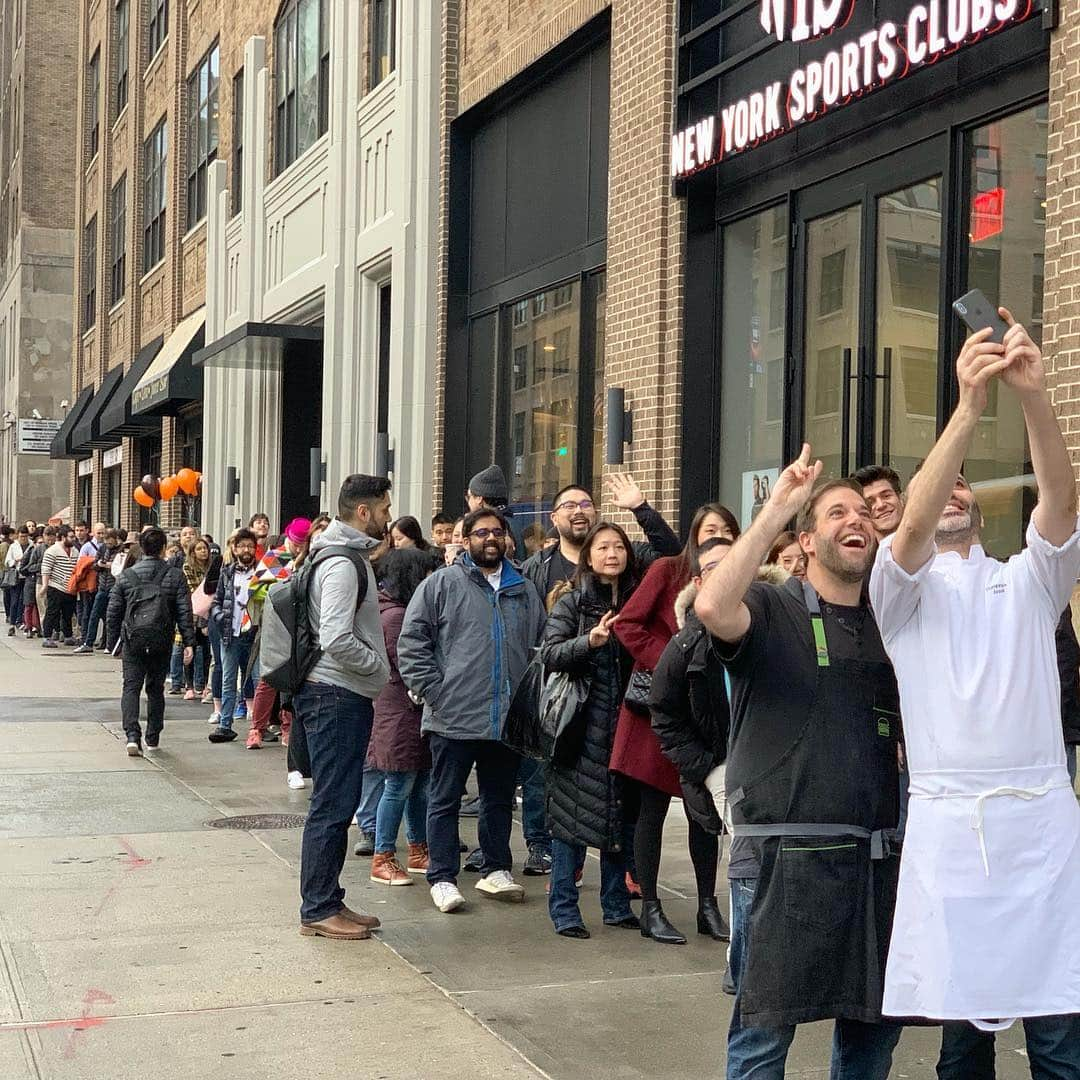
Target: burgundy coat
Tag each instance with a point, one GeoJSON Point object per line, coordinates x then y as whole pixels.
{"type": "Point", "coordinates": [396, 744]}
{"type": "Point", "coordinates": [645, 626]}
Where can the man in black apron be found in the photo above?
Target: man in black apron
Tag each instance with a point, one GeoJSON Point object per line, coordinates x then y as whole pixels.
{"type": "Point", "coordinates": [811, 780]}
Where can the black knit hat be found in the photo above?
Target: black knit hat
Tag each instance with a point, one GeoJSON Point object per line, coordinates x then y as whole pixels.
{"type": "Point", "coordinates": [490, 485]}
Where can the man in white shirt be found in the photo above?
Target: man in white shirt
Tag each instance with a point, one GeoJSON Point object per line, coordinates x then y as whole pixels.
{"type": "Point", "coordinates": [987, 910]}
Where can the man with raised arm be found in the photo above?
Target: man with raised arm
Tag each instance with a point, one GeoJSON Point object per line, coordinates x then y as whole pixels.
{"type": "Point", "coordinates": [989, 898]}
{"type": "Point", "coordinates": [811, 780]}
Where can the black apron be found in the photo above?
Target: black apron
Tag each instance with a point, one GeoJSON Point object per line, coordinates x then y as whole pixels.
{"type": "Point", "coordinates": [822, 810]}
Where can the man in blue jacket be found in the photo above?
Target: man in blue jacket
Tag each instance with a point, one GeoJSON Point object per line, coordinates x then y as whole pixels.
{"type": "Point", "coordinates": [464, 645]}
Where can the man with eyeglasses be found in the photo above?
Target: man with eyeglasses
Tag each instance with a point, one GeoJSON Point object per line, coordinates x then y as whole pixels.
{"type": "Point", "coordinates": [574, 512]}
{"type": "Point", "coordinates": [465, 643]}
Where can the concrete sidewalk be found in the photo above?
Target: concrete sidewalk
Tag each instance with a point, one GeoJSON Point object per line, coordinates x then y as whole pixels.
{"type": "Point", "coordinates": [136, 942]}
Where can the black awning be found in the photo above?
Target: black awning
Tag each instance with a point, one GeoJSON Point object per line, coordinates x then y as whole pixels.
{"type": "Point", "coordinates": [116, 417]}
{"type": "Point", "coordinates": [256, 345]}
{"type": "Point", "coordinates": [87, 435]}
{"type": "Point", "coordinates": [61, 444]}
{"type": "Point", "coordinates": [172, 381]}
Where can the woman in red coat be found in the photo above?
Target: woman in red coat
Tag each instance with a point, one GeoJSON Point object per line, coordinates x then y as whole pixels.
{"type": "Point", "coordinates": [645, 626]}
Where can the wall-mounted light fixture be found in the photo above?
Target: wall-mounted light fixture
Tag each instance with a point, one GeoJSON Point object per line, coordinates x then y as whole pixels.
{"type": "Point", "coordinates": [384, 454]}
{"type": "Point", "coordinates": [620, 426]}
{"type": "Point", "coordinates": [232, 485]}
{"type": "Point", "coordinates": [318, 473]}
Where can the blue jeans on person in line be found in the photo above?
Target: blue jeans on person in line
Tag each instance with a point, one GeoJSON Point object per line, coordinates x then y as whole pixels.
{"type": "Point", "coordinates": [404, 794]}
{"type": "Point", "coordinates": [234, 661]}
{"type": "Point", "coordinates": [533, 781]}
{"type": "Point", "coordinates": [13, 603]}
{"type": "Point", "coordinates": [84, 604]}
{"type": "Point", "coordinates": [213, 631]}
{"type": "Point", "coordinates": [176, 667]}
{"type": "Point", "coordinates": [859, 1051]}
{"type": "Point", "coordinates": [563, 908]}
{"type": "Point", "coordinates": [337, 725]}
{"type": "Point", "coordinates": [97, 616]}
{"type": "Point", "coordinates": [369, 800]}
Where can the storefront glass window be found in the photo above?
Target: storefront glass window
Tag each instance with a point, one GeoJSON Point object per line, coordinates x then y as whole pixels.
{"type": "Point", "coordinates": [191, 440]}
{"type": "Point", "coordinates": [1006, 233]}
{"type": "Point", "coordinates": [597, 286]}
{"type": "Point", "coordinates": [85, 510]}
{"type": "Point", "coordinates": [112, 496]}
{"type": "Point", "coordinates": [755, 252]}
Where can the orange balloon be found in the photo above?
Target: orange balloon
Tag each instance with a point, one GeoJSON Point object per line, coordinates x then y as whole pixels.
{"type": "Point", "coordinates": [169, 487]}
{"type": "Point", "coordinates": [187, 479]}
{"type": "Point", "coordinates": [142, 498]}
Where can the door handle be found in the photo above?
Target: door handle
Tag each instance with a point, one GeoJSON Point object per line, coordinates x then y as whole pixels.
{"type": "Point", "coordinates": [845, 413]}
{"type": "Point", "coordinates": [886, 405]}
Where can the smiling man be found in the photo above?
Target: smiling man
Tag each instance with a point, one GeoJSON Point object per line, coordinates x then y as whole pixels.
{"type": "Point", "coordinates": [811, 780]}
{"type": "Point", "coordinates": [881, 488]}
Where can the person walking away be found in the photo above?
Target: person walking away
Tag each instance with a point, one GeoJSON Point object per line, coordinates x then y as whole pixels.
{"type": "Point", "coordinates": [147, 603]}
{"type": "Point", "coordinates": [237, 634]}
{"type": "Point", "coordinates": [334, 704]}
{"type": "Point", "coordinates": [57, 566]}
{"type": "Point", "coordinates": [992, 849]}
{"type": "Point", "coordinates": [464, 645]}
{"type": "Point", "coordinates": [646, 626]}
{"type": "Point", "coordinates": [584, 797]}
{"type": "Point", "coordinates": [397, 749]}
{"type": "Point", "coordinates": [811, 779]}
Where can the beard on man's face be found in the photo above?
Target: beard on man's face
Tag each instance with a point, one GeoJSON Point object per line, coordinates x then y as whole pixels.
{"type": "Point", "coordinates": [487, 554]}
{"type": "Point", "coordinates": [959, 526]}
{"type": "Point", "coordinates": [851, 568]}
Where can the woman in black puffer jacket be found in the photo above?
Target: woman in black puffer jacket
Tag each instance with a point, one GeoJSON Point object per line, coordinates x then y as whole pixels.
{"type": "Point", "coordinates": [584, 800]}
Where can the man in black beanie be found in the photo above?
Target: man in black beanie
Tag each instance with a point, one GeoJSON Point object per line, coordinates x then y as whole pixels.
{"type": "Point", "coordinates": [488, 488]}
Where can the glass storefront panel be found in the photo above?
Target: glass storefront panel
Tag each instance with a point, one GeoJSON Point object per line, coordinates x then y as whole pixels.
{"type": "Point", "coordinates": [1006, 239]}
{"type": "Point", "coordinates": [85, 510]}
{"type": "Point", "coordinates": [598, 285]}
{"type": "Point", "coordinates": [112, 496]}
{"type": "Point", "coordinates": [755, 252]}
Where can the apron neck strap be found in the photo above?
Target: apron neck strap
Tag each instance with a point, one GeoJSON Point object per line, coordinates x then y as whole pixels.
{"type": "Point", "coordinates": [817, 624]}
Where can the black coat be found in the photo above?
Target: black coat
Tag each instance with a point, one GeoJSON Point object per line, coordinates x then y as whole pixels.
{"type": "Point", "coordinates": [584, 800]}
{"type": "Point", "coordinates": [173, 586]}
{"type": "Point", "coordinates": [1068, 658]}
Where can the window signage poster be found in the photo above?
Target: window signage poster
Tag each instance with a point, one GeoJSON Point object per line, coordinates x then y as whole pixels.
{"type": "Point", "coordinates": [757, 485]}
{"type": "Point", "coordinates": [850, 69]}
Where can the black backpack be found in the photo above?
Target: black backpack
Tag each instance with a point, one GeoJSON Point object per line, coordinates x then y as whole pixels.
{"type": "Point", "coordinates": [288, 647]}
{"type": "Point", "coordinates": [148, 615]}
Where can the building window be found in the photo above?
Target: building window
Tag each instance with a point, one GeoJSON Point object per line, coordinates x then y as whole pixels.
{"type": "Point", "coordinates": [831, 296]}
{"type": "Point", "coordinates": [539, 304]}
{"type": "Point", "coordinates": [521, 312]}
{"type": "Point", "coordinates": [16, 122]}
{"type": "Point", "coordinates": [914, 273]}
{"type": "Point", "coordinates": [301, 79]}
{"type": "Point", "coordinates": [190, 434]}
{"type": "Point", "coordinates": [564, 295]}
{"type": "Point", "coordinates": [561, 361]}
{"type": "Point", "coordinates": [85, 510]}
{"type": "Point", "coordinates": [123, 27]}
{"type": "Point", "coordinates": [118, 240]}
{"type": "Point", "coordinates": [93, 94]}
{"type": "Point", "coordinates": [919, 368]}
{"type": "Point", "coordinates": [777, 298]}
{"type": "Point", "coordinates": [238, 142]}
{"type": "Point", "coordinates": [158, 27]}
{"type": "Point", "coordinates": [540, 357]}
{"type": "Point", "coordinates": [202, 146]}
{"type": "Point", "coordinates": [521, 367]}
{"type": "Point", "coordinates": [112, 495]}
{"type": "Point", "coordinates": [382, 40]}
{"type": "Point", "coordinates": [90, 273]}
{"type": "Point", "coordinates": [382, 405]}
{"type": "Point", "coordinates": [155, 196]}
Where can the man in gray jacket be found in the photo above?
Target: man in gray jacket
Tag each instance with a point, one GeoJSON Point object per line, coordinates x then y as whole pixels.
{"type": "Point", "coordinates": [465, 642]}
{"type": "Point", "coordinates": [335, 704]}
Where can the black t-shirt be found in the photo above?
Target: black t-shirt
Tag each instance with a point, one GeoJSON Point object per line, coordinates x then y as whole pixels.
{"type": "Point", "coordinates": [559, 569]}
{"type": "Point", "coordinates": [773, 670]}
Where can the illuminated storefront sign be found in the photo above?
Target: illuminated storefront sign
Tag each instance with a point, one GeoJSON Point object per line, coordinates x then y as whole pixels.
{"type": "Point", "coordinates": [930, 31]}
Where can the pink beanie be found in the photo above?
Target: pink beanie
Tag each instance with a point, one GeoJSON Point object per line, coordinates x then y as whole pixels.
{"type": "Point", "coordinates": [297, 530]}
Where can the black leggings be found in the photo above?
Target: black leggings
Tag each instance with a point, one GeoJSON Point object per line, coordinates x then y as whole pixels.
{"type": "Point", "coordinates": [652, 807]}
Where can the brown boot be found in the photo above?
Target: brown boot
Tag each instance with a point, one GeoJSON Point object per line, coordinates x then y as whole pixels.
{"type": "Point", "coordinates": [418, 859]}
{"type": "Point", "coordinates": [370, 921]}
{"type": "Point", "coordinates": [386, 869]}
{"type": "Point", "coordinates": [335, 927]}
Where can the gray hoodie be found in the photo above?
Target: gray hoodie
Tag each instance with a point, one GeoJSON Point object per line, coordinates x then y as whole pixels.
{"type": "Point", "coordinates": [351, 637]}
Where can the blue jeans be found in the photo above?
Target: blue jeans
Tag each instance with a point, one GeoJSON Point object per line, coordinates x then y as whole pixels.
{"type": "Point", "coordinates": [83, 606]}
{"type": "Point", "coordinates": [337, 724]}
{"type": "Point", "coordinates": [859, 1051]}
{"type": "Point", "coordinates": [97, 615]}
{"type": "Point", "coordinates": [369, 800]}
{"type": "Point", "coordinates": [404, 793]}
{"type": "Point", "coordinates": [1053, 1049]}
{"type": "Point", "coordinates": [176, 667]}
{"type": "Point", "coordinates": [13, 603]}
{"type": "Point", "coordinates": [213, 631]}
{"type": "Point", "coordinates": [234, 661]}
{"type": "Point", "coordinates": [1070, 762]}
{"type": "Point", "coordinates": [563, 895]}
{"type": "Point", "coordinates": [533, 780]}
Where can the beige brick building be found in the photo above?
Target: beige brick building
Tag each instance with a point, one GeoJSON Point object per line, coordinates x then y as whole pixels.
{"type": "Point", "coordinates": [37, 188]}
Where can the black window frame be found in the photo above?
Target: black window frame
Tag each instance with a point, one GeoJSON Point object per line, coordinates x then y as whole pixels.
{"type": "Point", "coordinates": [122, 15]}
{"type": "Point", "coordinates": [118, 241]}
{"type": "Point", "coordinates": [93, 79]}
{"type": "Point", "coordinates": [383, 343]}
{"type": "Point", "coordinates": [155, 182]}
{"type": "Point", "coordinates": [287, 88]}
{"type": "Point", "coordinates": [237, 186]}
{"type": "Point", "coordinates": [201, 155]}
{"type": "Point", "coordinates": [90, 260]}
{"type": "Point", "coordinates": [157, 28]}
{"type": "Point", "coordinates": [382, 38]}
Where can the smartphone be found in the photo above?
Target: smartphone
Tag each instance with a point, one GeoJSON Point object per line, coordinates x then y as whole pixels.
{"type": "Point", "coordinates": [978, 313]}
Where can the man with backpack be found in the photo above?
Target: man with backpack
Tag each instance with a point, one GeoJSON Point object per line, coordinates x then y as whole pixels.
{"type": "Point", "coordinates": [148, 601]}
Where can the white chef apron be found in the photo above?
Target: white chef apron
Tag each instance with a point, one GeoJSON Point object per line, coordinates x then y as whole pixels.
{"type": "Point", "coordinates": [988, 909]}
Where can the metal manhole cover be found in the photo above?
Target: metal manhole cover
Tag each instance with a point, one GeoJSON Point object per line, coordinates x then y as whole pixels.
{"type": "Point", "coordinates": [259, 821]}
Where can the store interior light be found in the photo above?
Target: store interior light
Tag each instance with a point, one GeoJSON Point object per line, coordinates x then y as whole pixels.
{"type": "Point", "coordinates": [549, 348]}
{"type": "Point", "coordinates": [987, 214]}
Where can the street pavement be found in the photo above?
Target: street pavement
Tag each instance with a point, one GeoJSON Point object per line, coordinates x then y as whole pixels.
{"type": "Point", "coordinates": [137, 942]}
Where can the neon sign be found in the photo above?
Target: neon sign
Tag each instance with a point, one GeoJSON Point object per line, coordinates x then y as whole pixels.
{"type": "Point", "coordinates": [931, 30]}
{"type": "Point", "coordinates": [987, 214]}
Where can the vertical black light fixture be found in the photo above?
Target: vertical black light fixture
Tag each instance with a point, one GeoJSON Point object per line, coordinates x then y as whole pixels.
{"type": "Point", "coordinates": [232, 485]}
{"type": "Point", "coordinates": [384, 454]}
{"type": "Point", "coordinates": [620, 426]}
{"type": "Point", "coordinates": [318, 473]}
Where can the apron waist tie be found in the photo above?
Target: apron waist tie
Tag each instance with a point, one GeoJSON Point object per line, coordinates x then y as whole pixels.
{"type": "Point", "coordinates": [880, 839]}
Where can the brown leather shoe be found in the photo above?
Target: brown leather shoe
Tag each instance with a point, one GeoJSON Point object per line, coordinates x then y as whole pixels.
{"type": "Point", "coordinates": [368, 921]}
{"type": "Point", "coordinates": [418, 859]}
{"type": "Point", "coordinates": [386, 870]}
{"type": "Point", "coordinates": [336, 926]}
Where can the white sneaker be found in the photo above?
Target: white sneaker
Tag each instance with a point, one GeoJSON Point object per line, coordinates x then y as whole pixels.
{"type": "Point", "coordinates": [296, 780]}
{"type": "Point", "coordinates": [501, 885]}
{"type": "Point", "coordinates": [446, 896]}
{"type": "Point", "coordinates": [133, 749]}
{"type": "Point", "coordinates": [214, 719]}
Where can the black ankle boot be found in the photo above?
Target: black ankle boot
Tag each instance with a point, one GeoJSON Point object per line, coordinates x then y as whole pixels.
{"type": "Point", "coordinates": [655, 925]}
{"type": "Point", "coordinates": [710, 921]}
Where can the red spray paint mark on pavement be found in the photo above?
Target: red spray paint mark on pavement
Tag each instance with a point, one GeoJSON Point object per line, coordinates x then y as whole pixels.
{"type": "Point", "coordinates": [134, 860]}
{"type": "Point", "coordinates": [86, 1020]}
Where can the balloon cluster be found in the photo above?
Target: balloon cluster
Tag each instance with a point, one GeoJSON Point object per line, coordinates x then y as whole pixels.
{"type": "Point", "coordinates": [152, 488]}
